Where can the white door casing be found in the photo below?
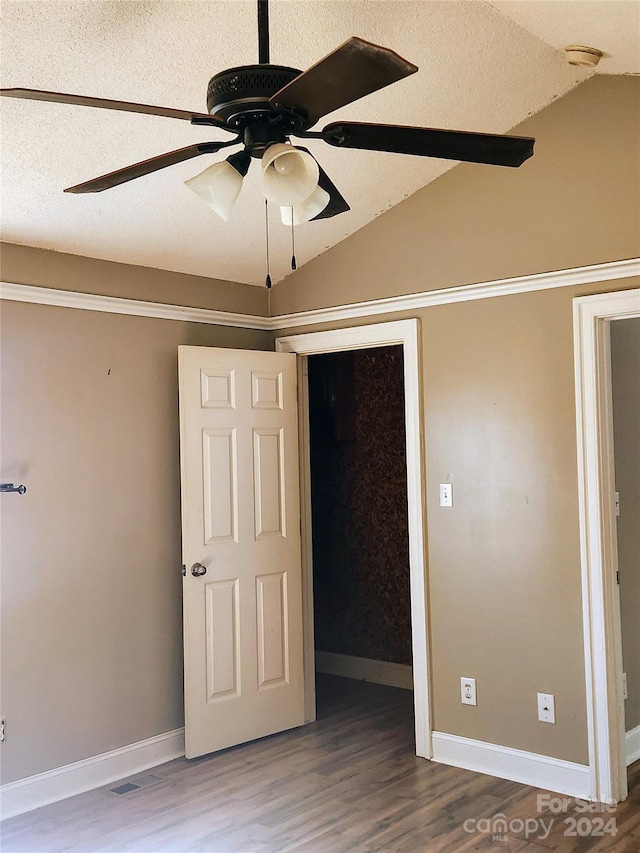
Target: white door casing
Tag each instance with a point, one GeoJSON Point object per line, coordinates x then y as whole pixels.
{"type": "Point", "coordinates": [406, 334]}
{"type": "Point", "coordinates": [241, 522]}
{"type": "Point", "coordinates": [592, 316]}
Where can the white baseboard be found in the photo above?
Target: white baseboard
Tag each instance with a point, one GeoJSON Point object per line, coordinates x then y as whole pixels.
{"type": "Point", "coordinates": [528, 768]}
{"type": "Point", "coordinates": [53, 785]}
{"type": "Point", "coordinates": [632, 745]}
{"type": "Point", "coordinates": [365, 669]}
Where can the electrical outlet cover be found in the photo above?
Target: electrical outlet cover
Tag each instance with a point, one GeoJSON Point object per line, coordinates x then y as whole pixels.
{"type": "Point", "coordinates": [468, 691]}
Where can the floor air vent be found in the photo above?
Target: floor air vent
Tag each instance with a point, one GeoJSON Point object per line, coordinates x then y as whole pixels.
{"type": "Point", "coordinates": [124, 789]}
{"type": "Point", "coordinates": [134, 783]}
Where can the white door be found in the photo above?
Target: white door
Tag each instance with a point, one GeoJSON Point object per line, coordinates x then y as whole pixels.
{"type": "Point", "coordinates": [242, 596]}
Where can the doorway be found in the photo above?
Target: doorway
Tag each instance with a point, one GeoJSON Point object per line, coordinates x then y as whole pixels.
{"type": "Point", "coordinates": [362, 604]}
{"type": "Point", "coordinates": [625, 399]}
{"type": "Point", "coordinates": [593, 316]}
{"type": "Point", "coordinates": [405, 334]}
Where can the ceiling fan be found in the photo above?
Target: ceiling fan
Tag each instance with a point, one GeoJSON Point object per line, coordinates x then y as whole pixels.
{"type": "Point", "coordinates": [264, 105]}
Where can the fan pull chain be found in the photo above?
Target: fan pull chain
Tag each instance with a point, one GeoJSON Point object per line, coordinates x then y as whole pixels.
{"type": "Point", "coordinates": [294, 265]}
{"type": "Point", "coordinates": [266, 228]}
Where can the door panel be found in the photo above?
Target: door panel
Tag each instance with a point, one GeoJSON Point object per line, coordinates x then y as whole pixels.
{"type": "Point", "coordinates": [220, 472]}
{"type": "Point", "coordinates": [241, 521]}
{"type": "Point", "coordinates": [268, 467]}
{"type": "Point", "coordinates": [223, 639]}
{"type": "Point", "coordinates": [267, 390]}
{"type": "Point", "coordinates": [273, 647]}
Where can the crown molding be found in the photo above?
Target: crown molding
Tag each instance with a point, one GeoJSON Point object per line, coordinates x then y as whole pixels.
{"type": "Point", "coordinates": [463, 293]}
{"type": "Point", "coordinates": [135, 307]}
{"type": "Point", "coordinates": [611, 271]}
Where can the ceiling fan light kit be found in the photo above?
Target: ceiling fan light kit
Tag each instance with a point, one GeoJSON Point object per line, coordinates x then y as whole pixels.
{"type": "Point", "coordinates": [219, 186]}
{"type": "Point", "coordinates": [264, 105]}
{"type": "Point", "coordinates": [307, 210]}
{"type": "Point", "coordinates": [289, 176]}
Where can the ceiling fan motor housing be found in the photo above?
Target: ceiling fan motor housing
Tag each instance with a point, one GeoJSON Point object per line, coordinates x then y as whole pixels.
{"type": "Point", "coordinates": [240, 96]}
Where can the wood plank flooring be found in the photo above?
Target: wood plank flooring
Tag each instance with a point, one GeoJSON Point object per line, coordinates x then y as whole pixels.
{"type": "Point", "coordinates": [349, 782]}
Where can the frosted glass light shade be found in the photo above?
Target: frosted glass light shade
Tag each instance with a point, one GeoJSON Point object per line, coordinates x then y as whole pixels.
{"type": "Point", "coordinates": [307, 209]}
{"type": "Point", "coordinates": [289, 176]}
{"type": "Point", "coordinates": [218, 186]}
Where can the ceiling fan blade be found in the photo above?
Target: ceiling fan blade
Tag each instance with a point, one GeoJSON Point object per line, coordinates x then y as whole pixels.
{"type": "Point", "coordinates": [430, 142]}
{"type": "Point", "coordinates": [107, 104]}
{"type": "Point", "coordinates": [353, 70]}
{"type": "Point", "coordinates": [145, 167]}
{"type": "Point", "coordinates": [336, 204]}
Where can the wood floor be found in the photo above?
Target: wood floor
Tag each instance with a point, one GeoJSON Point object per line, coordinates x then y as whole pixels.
{"type": "Point", "coordinates": [349, 782]}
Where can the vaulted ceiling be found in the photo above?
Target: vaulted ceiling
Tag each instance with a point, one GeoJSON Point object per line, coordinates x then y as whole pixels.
{"type": "Point", "coordinates": [484, 66]}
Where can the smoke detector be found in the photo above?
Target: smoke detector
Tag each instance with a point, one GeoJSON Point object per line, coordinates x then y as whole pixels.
{"type": "Point", "coordinates": [577, 54]}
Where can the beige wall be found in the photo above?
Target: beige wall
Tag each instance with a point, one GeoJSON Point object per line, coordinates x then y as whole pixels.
{"type": "Point", "coordinates": [44, 268]}
{"type": "Point", "coordinates": [576, 202]}
{"type": "Point", "coordinates": [91, 584]}
{"type": "Point", "coordinates": [499, 402]}
{"type": "Point", "coordinates": [625, 371]}
{"type": "Point", "coordinates": [503, 568]}
{"type": "Point", "coordinates": [504, 562]}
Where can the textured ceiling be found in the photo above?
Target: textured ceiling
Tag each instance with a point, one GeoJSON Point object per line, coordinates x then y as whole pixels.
{"type": "Point", "coordinates": [612, 26]}
{"type": "Point", "coordinates": [483, 67]}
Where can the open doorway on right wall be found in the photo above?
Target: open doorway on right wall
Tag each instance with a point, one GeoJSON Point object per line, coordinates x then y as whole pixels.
{"type": "Point", "coordinates": [625, 380]}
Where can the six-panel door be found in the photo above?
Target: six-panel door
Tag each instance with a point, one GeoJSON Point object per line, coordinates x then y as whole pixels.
{"type": "Point", "coordinates": [241, 521]}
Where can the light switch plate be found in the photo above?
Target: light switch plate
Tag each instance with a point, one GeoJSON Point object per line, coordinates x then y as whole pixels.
{"type": "Point", "coordinates": [446, 494]}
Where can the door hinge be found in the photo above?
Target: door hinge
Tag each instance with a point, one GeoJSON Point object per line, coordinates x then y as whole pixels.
{"type": "Point", "coordinates": [618, 578]}
{"type": "Point", "coordinates": [616, 502]}
{"type": "Point", "coordinates": [184, 571]}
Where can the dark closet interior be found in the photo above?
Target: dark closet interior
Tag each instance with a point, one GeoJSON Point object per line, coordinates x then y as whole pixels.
{"type": "Point", "coordinates": [359, 504]}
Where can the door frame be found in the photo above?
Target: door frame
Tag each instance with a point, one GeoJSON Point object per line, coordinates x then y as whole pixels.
{"type": "Point", "coordinates": [404, 333]}
{"type": "Point", "coordinates": [592, 316]}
